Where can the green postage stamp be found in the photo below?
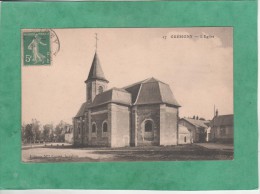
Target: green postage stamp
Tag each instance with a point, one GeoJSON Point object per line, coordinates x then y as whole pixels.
{"type": "Point", "coordinates": [36, 47]}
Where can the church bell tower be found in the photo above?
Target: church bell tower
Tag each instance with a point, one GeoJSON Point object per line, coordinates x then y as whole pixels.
{"type": "Point", "coordinates": [96, 82]}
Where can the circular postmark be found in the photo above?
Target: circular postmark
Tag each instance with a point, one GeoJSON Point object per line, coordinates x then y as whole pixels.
{"type": "Point", "coordinates": [54, 41]}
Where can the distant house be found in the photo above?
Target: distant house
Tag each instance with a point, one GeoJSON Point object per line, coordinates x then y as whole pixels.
{"type": "Point", "coordinates": [222, 128]}
{"type": "Point", "coordinates": [184, 135]}
{"type": "Point", "coordinates": [207, 122]}
{"type": "Point", "coordinates": [196, 127]}
{"type": "Point", "coordinates": [209, 134]}
{"type": "Point", "coordinates": [65, 132]}
{"type": "Point", "coordinates": [69, 135]}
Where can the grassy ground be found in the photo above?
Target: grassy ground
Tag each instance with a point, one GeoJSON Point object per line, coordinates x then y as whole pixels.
{"type": "Point", "coordinates": [68, 153]}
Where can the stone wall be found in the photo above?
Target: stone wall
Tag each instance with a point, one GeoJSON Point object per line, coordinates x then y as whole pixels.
{"type": "Point", "coordinates": [77, 132]}
{"type": "Point", "coordinates": [143, 113]}
{"type": "Point", "coordinates": [133, 127]}
{"type": "Point", "coordinates": [183, 137]}
{"type": "Point", "coordinates": [125, 127]}
{"type": "Point", "coordinates": [168, 125]}
{"type": "Point", "coordinates": [226, 136]}
{"type": "Point", "coordinates": [119, 118]}
{"type": "Point", "coordinates": [98, 117]}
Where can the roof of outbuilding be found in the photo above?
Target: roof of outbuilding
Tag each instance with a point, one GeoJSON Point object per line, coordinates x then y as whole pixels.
{"type": "Point", "coordinates": [114, 95]}
{"type": "Point", "coordinates": [196, 122]}
{"type": "Point", "coordinates": [183, 130]}
{"type": "Point", "coordinates": [151, 91]}
{"type": "Point", "coordinates": [96, 71]}
{"type": "Point", "coordinates": [223, 120]}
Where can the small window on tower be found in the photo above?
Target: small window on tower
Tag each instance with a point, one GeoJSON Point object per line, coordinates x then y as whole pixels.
{"type": "Point", "coordinates": [100, 89]}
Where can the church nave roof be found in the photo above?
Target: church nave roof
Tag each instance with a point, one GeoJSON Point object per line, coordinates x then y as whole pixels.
{"type": "Point", "coordinates": [151, 91]}
{"type": "Point", "coordinates": [113, 95]}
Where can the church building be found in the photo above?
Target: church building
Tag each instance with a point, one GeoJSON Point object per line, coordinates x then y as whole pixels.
{"type": "Point", "coordinates": [144, 113]}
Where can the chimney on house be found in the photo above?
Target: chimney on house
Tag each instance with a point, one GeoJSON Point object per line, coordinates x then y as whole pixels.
{"type": "Point", "coordinates": [216, 112]}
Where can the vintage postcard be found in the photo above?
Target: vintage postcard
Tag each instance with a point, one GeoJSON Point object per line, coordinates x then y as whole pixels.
{"type": "Point", "coordinates": [132, 95]}
{"type": "Point", "coordinates": [127, 94]}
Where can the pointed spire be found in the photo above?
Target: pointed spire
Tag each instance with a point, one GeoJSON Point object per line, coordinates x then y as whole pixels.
{"type": "Point", "coordinates": [96, 72]}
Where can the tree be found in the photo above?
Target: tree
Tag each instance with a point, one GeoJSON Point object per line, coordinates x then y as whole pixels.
{"type": "Point", "coordinates": [59, 135]}
{"type": "Point", "coordinates": [36, 130]}
{"type": "Point", "coordinates": [47, 131]}
{"type": "Point", "coordinates": [51, 137]}
{"type": "Point", "coordinates": [24, 140]}
{"type": "Point", "coordinates": [28, 134]}
{"type": "Point", "coordinates": [31, 132]}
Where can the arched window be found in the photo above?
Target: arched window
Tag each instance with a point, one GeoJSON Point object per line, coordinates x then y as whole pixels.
{"type": "Point", "coordinates": [94, 128]}
{"type": "Point", "coordinates": [148, 127]}
{"type": "Point", "coordinates": [185, 139]}
{"type": "Point", "coordinates": [104, 127]}
{"type": "Point", "coordinates": [100, 89]}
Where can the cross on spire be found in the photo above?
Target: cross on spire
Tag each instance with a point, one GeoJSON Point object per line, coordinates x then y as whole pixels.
{"type": "Point", "coordinates": [96, 37]}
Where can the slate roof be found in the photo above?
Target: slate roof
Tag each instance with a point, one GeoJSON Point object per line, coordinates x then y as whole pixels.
{"type": "Point", "coordinates": [133, 89]}
{"type": "Point", "coordinates": [223, 120]}
{"type": "Point", "coordinates": [115, 95]}
{"type": "Point", "coordinates": [82, 110]}
{"type": "Point", "coordinates": [151, 91]}
{"type": "Point", "coordinates": [96, 71]}
{"type": "Point", "coordinates": [196, 123]}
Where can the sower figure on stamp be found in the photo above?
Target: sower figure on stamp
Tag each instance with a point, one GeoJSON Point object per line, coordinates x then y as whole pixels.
{"type": "Point", "coordinates": [34, 46]}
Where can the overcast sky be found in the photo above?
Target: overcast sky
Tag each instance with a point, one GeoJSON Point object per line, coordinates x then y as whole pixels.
{"type": "Point", "coordinates": [198, 70]}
